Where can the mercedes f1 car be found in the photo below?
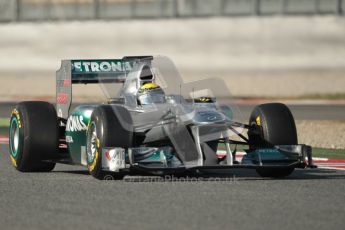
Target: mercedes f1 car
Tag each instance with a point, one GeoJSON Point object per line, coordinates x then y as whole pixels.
{"type": "Point", "coordinates": [155, 125]}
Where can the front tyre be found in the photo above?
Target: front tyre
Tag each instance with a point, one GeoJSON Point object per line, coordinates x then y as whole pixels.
{"type": "Point", "coordinates": [277, 128]}
{"type": "Point", "coordinates": [33, 136]}
{"type": "Point", "coordinates": [109, 126]}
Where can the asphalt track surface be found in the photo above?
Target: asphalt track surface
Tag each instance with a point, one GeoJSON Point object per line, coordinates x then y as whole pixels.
{"type": "Point", "coordinates": [300, 112]}
{"type": "Point", "coordinates": [69, 198]}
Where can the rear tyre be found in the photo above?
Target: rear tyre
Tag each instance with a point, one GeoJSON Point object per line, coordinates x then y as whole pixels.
{"type": "Point", "coordinates": [277, 128]}
{"type": "Point", "coordinates": [110, 126]}
{"type": "Point", "coordinates": [33, 136]}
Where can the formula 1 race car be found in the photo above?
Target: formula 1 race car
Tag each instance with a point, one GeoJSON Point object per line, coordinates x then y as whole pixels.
{"type": "Point", "coordinates": [155, 125]}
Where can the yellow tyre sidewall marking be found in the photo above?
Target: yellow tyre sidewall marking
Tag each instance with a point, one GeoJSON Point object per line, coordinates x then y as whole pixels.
{"type": "Point", "coordinates": [13, 161]}
{"type": "Point", "coordinates": [15, 113]}
{"type": "Point", "coordinates": [92, 166]}
{"type": "Point", "coordinates": [258, 120]}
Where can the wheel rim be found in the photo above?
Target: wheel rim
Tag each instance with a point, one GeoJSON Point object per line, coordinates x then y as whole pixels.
{"type": "Point", "coordinates": [14, 137]}
{"type": "Point", "coordinates": [92, 145]}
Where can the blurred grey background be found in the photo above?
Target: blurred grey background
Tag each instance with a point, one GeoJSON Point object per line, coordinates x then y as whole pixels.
{"type": "Point", "coordinates": [22, 10]}
{"type": "Point", "coordinates": [261, 48]}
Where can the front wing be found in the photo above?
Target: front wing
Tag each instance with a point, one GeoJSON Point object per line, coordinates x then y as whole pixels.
{"type": "Point", "coordinates": [162, 161]}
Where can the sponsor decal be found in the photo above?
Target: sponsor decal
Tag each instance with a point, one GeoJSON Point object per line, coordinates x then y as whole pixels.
{"type": "Point", "coordinates": [209, 116]}
{"type": "Point", "coordinates": [115, 159]}
{"type": "Point", "coordinates": [63, 146]}
{"type": "Point", "coordinates": [69, 139]}
{"type": "Point", "coordinates": [63, 83]}
{"type": "Point", "coordinates": [62, 98]}
{"type": "Point", "coordinates": [258, 120]}
{"type": "Point", "coordinates": [100, 66]}
{"type": "Point", "coordinates": [66, 82]}
{"type": "Point", "coordinates": [107, 155]}
{"type": "Point", "coordinates": [75, 124]}
{"type": "Point", "coordinates": [212, 118]}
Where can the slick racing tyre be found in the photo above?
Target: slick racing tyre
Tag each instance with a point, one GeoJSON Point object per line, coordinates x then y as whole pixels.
{"type": "Point", "coordinates": [277, 128]}
{"type": "Point", "coordinates": [33, 136]}
{"type": "Point", "coordinates": [109, 126]}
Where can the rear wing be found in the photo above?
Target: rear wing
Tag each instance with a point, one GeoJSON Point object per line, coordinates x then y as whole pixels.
{"type": "Point", "coordinates": [90, 72]}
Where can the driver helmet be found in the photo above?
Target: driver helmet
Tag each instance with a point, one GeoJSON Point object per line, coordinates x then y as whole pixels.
{"type": "Point", "coordinates": [150, 93]}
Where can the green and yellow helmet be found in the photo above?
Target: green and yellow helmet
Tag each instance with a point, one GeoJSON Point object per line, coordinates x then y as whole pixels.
{"type": "Point", "coordinates": [204, 100]}
{"type": "Point", "coordinates": [150, 93]}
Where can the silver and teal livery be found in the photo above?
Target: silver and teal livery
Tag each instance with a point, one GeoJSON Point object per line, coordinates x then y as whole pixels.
{"type": "Point", "coordinates": [148, 129]}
